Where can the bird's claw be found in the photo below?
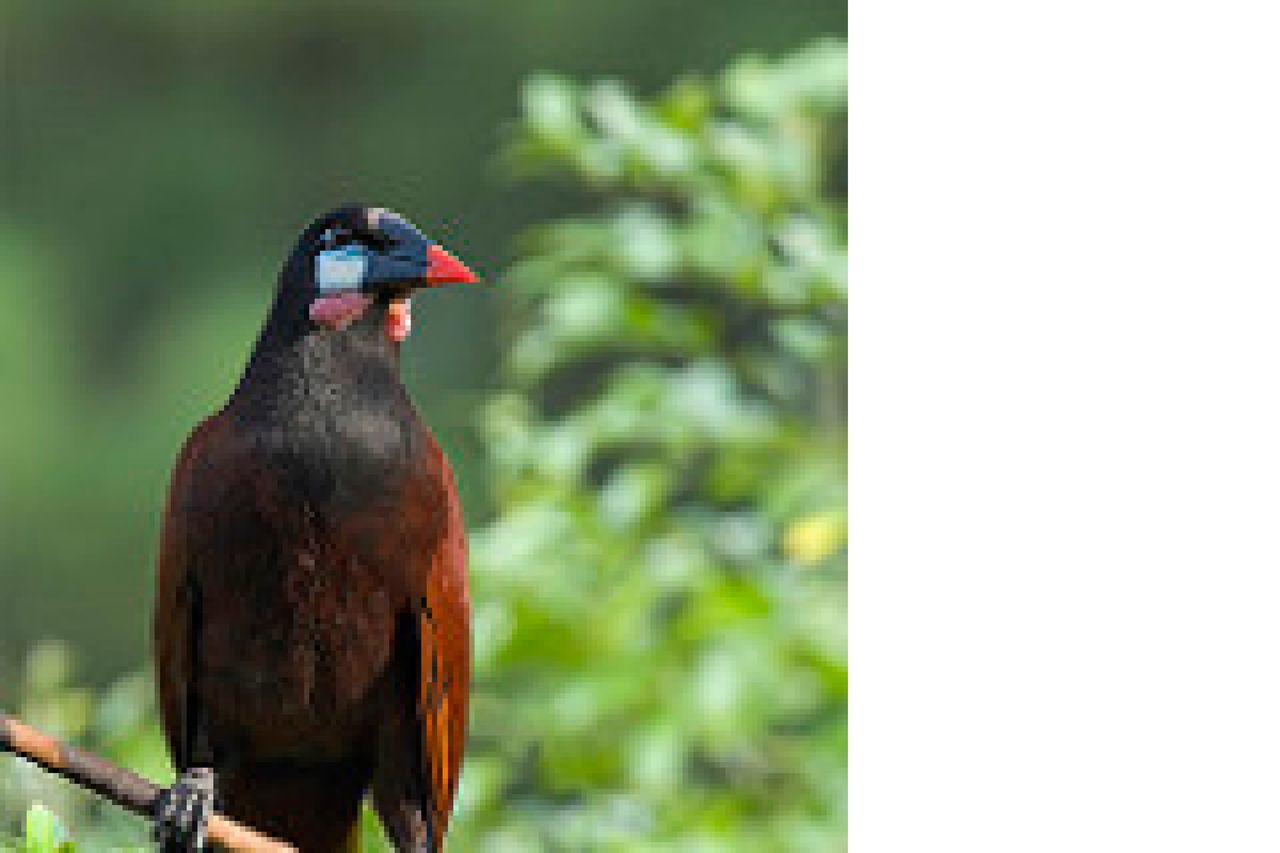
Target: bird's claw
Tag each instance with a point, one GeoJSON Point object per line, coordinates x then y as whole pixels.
{"type": "Point", "coordinates": [182, 811]}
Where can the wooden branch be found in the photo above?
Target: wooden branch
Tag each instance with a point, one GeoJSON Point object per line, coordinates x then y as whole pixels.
{"type": "Point", "coordinates": [122, 787]}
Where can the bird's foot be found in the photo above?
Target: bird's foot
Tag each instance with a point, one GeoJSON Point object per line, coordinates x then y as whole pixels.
{"type": "Point", "coordinates": [182, 811]}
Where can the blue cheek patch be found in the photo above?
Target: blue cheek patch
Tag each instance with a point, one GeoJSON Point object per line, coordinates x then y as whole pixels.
{"type": "Point", "coordinates": [342, 269]}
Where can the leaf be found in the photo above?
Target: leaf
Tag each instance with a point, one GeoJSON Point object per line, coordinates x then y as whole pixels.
{"type": "Point", "coordinates": [43, 832]}
{"type": "Point", "coordinates": [550, 108]}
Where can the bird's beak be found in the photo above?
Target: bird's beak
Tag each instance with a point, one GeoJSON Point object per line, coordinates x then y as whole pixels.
{"type": "Point", "coordinates": [408, 260]}
{"type": "Point", "coordinates": [444, 268]}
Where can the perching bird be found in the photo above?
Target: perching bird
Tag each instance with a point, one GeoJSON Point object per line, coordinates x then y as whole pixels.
{"type": "Point", "coordinates": [312, 618]}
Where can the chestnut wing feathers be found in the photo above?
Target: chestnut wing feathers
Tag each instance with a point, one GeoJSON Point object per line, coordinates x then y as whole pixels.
{"type": "Point", "coordinates": [445, 657]}
{"type": "Point", "coordinates": [173, 613]}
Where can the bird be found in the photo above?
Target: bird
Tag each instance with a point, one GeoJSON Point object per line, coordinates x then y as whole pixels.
{"type": "Point", "coordinates": [312, 619]}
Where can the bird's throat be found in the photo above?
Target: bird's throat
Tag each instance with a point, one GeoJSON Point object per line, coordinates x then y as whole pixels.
{"type": "Point", "coordinates": [336, 312]}
{"type": "Point", "coordinates": [339, 310]}
{"type": "Point", "coordinates": [327, 412]}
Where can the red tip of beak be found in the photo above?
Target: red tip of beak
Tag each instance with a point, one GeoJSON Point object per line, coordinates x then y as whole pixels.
{"type": "Point", "coordinates": [444, 268]}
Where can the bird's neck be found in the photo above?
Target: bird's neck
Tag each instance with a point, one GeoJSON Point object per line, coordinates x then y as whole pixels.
{"type": "Point", "coordinates": [294, 362]}
{"type": "Point", "coordinates": [328, 409]}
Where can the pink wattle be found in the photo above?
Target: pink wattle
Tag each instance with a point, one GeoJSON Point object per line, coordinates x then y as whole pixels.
{"type": "Point", "coordinates": [399, 320]}
{"type": "Point", "coordinates": [338, 311]}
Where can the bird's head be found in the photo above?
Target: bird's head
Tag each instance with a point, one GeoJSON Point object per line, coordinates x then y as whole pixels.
{"type": "Point", "coordinates": [357, 257]}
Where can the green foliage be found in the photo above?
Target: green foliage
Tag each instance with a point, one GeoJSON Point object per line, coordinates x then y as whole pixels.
{"type": "Point", "coordinates": [42, 833]}
{"type": "Point", "coordinates": [661, 600]}
{"type": "Point", "coordinates": [118, 722]}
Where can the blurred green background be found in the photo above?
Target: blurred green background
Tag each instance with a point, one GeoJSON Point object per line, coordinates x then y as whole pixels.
{"type": "Point", "coordinates": [645, 410]}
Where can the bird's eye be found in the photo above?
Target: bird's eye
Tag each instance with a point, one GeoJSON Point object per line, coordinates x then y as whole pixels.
{"type": "Point", "coordinates": [336, 237]}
